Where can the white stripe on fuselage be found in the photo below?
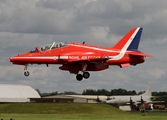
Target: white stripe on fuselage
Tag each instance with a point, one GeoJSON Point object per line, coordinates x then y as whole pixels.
{"type": "Point", "coordinates": [123, 50]}
{"type": "Point", "coordinates": [53, 57]}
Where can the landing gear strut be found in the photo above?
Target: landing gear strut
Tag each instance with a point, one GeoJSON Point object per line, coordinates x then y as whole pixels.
{"type": "Point", "coordinates": [26, 73]}
{"type": "Point", "coordinates": [85, 75]}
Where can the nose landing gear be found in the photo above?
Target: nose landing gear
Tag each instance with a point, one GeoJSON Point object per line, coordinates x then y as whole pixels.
{"type": "Point", "coordinates": [26, 73]}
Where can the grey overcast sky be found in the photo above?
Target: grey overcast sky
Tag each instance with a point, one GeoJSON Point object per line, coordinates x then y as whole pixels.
{"type": "Point", "coordinates": [25, 24]}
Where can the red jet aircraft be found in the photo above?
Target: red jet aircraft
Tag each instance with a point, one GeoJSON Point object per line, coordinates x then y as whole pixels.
{"type": "Point", "coordinates": [77, 57]}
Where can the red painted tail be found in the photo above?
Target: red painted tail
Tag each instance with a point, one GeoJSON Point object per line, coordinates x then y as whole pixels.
{"type": "Point", "coordinates": [130, 40]}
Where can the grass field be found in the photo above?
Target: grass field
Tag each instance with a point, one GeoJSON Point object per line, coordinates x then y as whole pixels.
{"type": "Point", "coordinates": [49, 111]}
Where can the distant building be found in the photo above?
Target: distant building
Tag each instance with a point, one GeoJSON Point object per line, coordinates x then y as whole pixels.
{"type": "Point", "coordinates": [17, 93]}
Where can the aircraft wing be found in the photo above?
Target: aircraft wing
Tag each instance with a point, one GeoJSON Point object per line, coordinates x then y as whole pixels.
{"type": "Point", "coordinates": [89, 60]}
{"type": "Point", "coordinates": [156, 101]}
{"type": "Point", "coordinates": [149, 101]}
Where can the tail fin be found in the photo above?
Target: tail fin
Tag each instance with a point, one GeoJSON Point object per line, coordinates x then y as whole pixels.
{"type": "Point", "coordinates": [130, 41]}
{"type": "Point", "coordinates": [148, 91]}
{"type": "Point", "coordinates": [135, 43]}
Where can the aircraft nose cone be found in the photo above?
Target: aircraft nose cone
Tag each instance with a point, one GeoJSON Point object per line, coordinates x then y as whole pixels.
{"type": "Point", "coordinates": [11, 59]}
{"type": "Point", "coordinates": [14, 59]}
{"type": "Point", "coordinates": [109, 101]}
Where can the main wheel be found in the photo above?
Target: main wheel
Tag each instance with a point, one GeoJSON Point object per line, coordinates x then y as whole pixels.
{"type": "Point", "coordinates": [79, 77]}
{"type": "Point", "coordinates": [86, 75]}
{"type": "Point", "coordinates": [26, 73]}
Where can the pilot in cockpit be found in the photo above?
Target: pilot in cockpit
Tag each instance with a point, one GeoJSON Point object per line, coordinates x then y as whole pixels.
{"type": "Point", "coordinates": [58, 45]}
{"type": "Point", "coordinates": [46, 47]}
{"type": "Point", "coordinates": [54, 45]}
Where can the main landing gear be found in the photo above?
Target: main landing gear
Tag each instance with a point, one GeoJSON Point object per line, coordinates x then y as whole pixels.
{"type": "Point", "coordinates": [85, 75]}
{"type": "Point", "coordinates": [26, 73]}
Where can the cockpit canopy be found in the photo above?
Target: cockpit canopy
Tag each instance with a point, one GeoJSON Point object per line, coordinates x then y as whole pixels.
{"type": "Point", "coordinates": [52, 46]}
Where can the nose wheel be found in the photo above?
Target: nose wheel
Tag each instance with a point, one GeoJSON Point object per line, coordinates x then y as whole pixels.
{"type": "Point", "coordinates": [26, 73]}
{"type": "Point", "coordinates": [85, 75]}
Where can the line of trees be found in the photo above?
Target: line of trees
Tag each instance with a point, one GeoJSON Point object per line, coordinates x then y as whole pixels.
{"type": "Point", "coordinates": [119, 91]}
{"type": "Point", "coordinates": [108, 93]}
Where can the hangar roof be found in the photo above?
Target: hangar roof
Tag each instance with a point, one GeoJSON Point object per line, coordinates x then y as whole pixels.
{"type": "Point", "coordinates": [17, 91]}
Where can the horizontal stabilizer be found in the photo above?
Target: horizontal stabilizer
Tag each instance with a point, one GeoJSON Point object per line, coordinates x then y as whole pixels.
{"type": "Point", "coordinates": [124, 65]}
{"type": "Point", "coordinates": [134, 53]}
